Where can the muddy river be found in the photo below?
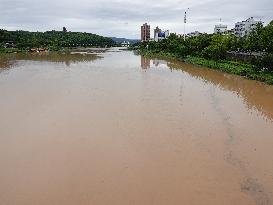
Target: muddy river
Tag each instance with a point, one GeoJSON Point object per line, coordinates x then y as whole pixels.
{"type": "Point", "coordinates": [115, 128]}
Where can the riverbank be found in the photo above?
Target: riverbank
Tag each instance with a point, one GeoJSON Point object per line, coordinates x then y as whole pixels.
{"type": "Point", "coordinates": [62, 49]}
{"type": "Point", "coordinates": [26, 50]}
{"type": "Point", "coordinates": [246, 70]}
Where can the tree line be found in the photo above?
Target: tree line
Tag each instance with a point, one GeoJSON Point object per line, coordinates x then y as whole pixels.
{"type": "Point", "coordinates": [52, 39]}
{"type": "Point", "coordinates": [216, 46]}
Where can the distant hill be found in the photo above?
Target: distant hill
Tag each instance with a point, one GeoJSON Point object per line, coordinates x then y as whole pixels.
{"type": "Point", "coordinates": [120, 40]}
{"type": "Point", "coordinates": [52, 39]}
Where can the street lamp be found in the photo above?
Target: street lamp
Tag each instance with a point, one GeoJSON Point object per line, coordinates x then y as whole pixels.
{"type": "Point", "coordinates": [185, 21]}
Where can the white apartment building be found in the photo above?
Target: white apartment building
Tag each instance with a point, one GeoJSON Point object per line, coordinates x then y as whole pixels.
{"type": "Point", "coordinates": [220, 29]}
{"type": "Point", "coordinates": [244, 28]}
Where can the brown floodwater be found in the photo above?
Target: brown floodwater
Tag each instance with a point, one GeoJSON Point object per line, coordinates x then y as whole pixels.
{"type": "Point", "coordinates": [116, 128]}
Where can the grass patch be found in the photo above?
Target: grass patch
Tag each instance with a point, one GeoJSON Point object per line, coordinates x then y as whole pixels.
{"type": "Point", "coordinates": [246, 70]}
{"type": "Point", "coordinates": [10, 50]}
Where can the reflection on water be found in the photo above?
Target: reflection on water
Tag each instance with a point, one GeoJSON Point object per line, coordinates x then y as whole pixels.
{"type": "Point", "coordinates": [145, 63]}
{"type": "Point", "coordinates": [256, 95]}
{"type": "Point", "coordinates": [158, 62]}
{"type": "Point", "coordinates": [9, 60]}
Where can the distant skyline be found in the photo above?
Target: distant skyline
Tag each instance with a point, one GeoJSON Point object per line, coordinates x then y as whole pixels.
{"type": "Point", "coordinates": [123, 18]}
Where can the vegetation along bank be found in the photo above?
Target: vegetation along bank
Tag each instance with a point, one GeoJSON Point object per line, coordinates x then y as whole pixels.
{"type": "Point", "coordinates": [250, 56]}
{"type": "Point", "coordinates": [16, 41]}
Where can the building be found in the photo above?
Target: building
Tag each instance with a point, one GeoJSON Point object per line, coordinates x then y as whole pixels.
{"type": "Point", "coordinates": [179, 35]}
{"type": "Point", "coordinates": [9, 44]}
{"type": "Point", "coordinates": [125, 44]}
{"type": "Point", "coordinates": [145, 32]}
{"type": "Point", "coordinates": [156, 31]}
{"type": "Point", "coordinates": [193, 34]}
{"type": "Point", "coordinates": [244, 28]}
{"type": "Point", "coordinates": [231, 31]}
{"type": "Point", "coordinates": [160, 35]}
{"type": "Point", "coordinates": [220, 29]}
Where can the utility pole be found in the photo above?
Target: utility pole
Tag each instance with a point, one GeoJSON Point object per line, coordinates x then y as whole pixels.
{"type": "Point", "coordinates": [185, 21]}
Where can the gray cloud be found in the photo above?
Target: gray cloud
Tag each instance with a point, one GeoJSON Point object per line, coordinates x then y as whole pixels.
{"type": "Point", "coordinates": [122, 18]}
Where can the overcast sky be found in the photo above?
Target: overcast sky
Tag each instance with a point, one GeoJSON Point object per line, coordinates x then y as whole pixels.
{"type": "Point", "coordinates": [123, 18]}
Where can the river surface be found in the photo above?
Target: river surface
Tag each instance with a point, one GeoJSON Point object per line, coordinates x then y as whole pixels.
{"type": "Point", "coordinates": [115, 128]}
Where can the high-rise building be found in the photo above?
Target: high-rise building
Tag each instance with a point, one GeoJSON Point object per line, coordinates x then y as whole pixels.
{"type": "Point", "coordinates": [145, 32]}
{"type": "Point", "coordinates": [244, 28]}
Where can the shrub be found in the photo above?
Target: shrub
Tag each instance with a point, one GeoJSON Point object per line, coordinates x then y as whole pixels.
{"type": "Point", "coordinates": [215, 52]}
{"type": "Point", "coordinates": [264, 63]}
